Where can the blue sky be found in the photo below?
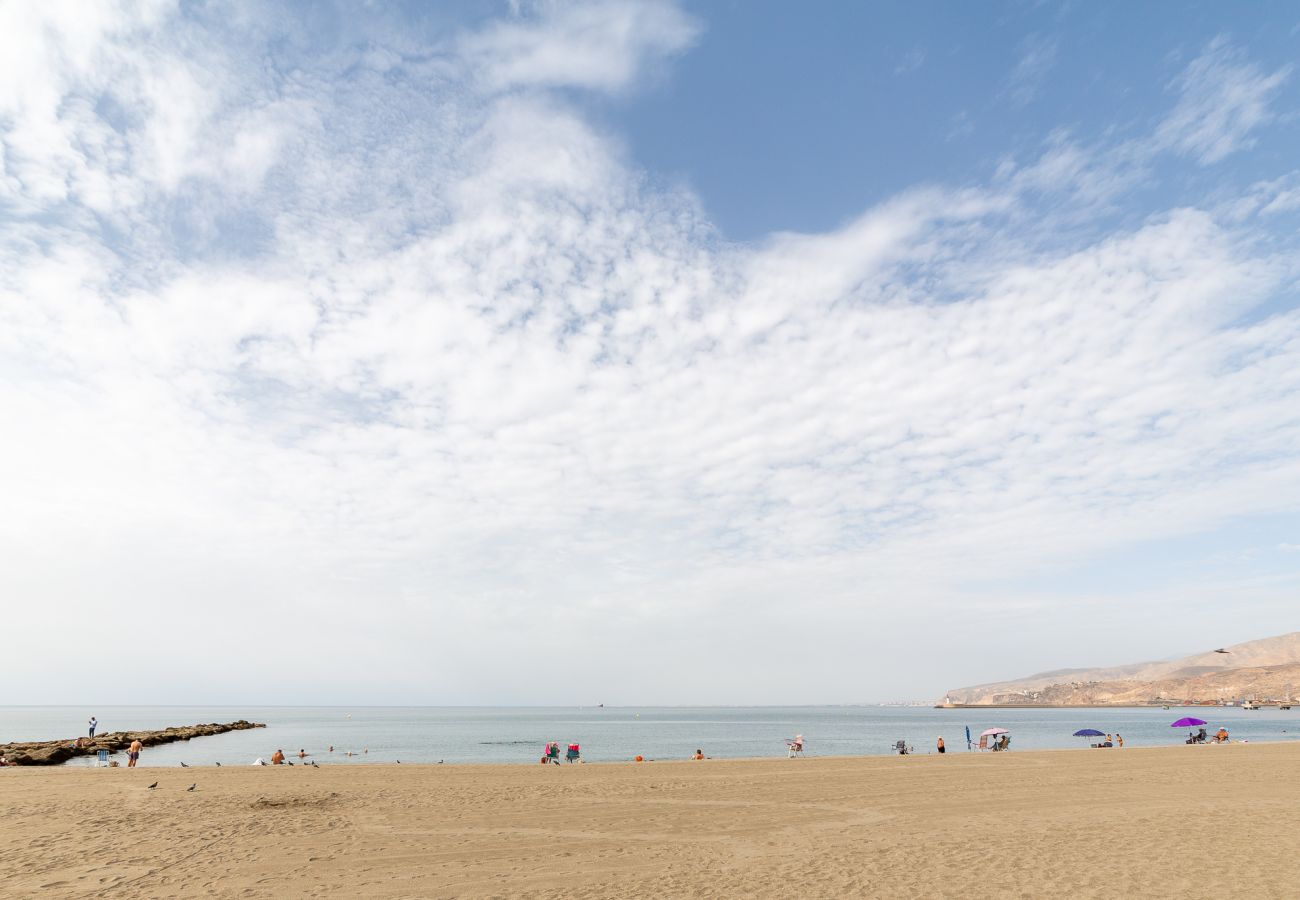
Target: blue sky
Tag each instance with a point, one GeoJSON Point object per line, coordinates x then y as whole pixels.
{"type": "Point", "coordinates": [411, 353]}
{"type": "Point", "coordinates": [796, 117]}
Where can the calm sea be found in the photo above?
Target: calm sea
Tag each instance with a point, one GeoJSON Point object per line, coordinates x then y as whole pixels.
{"type": "Point", "coordinates": [501, 735]}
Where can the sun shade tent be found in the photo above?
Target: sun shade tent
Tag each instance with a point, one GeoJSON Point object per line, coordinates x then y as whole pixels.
{"type": "Point", "coordinates": [1089, 732]}
{"type": "Point", "coordinates": [1186, 722]}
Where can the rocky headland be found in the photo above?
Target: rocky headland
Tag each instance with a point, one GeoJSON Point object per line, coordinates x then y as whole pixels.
{"type": "Point", "coordinates": [1266, 671]}
{"type": "Point", "coordinates": [53, 753]}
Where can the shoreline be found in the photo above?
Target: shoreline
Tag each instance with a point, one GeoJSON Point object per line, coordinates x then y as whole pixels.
{"type": "Point", "coordinates": [685, 761]}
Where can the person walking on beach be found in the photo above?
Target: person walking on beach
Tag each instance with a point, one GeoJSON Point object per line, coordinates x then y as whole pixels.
{"type": "Point", "coordinates": [133, 753]}
{"type": "Point", "coordinates": [1119, 740]}
{"type": "Point", "coordinates": [94, 723]}
{"type": "Point", "coordinates": [939, 745]}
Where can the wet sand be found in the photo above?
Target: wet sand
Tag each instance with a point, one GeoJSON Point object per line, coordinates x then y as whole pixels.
{"type": "Point", "coordinates": [1155, 822]}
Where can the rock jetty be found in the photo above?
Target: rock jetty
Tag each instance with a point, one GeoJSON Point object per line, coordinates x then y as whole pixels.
{"type": "Point", "coordinates": [53, 753]}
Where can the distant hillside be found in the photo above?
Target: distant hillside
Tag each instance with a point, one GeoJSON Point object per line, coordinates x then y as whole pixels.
{"type": "Point", "coordinates": [1265, 668]}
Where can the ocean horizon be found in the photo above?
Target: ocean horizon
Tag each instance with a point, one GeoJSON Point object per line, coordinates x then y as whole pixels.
{"type": "Point", "coordinates": [516, 735]}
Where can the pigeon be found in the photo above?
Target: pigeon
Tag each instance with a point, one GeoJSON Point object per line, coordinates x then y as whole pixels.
{"type": "Point", "coordinates": [399, 762]}
{"type": "Point", "coordinates": [193, 786]}
{"type": "Point", "coordinates": [314, 766]}
{"type": "Point", "coordinates": [288, 762]}
{"type": "Point", "coordinates": [152, 786]}
{"type": "Point", "coordinates": [183, 766]}
{"type": "Point", "coordinates": [218, 763]}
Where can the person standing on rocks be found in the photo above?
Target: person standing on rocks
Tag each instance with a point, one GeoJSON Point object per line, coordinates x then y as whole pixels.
{"type": "Point", "coordinates": [94, 723]}
{"type": "Point", "coordinates": [133, 753]}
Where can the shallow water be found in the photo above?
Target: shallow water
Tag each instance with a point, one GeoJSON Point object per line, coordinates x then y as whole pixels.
{"type": "Point", "coordinates": [504, 735]}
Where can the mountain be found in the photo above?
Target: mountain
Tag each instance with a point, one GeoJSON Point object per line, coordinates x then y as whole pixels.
{"type": "Point", "coordinates": [1264, 668]}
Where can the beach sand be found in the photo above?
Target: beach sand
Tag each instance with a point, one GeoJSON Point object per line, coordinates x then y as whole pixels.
{"type": "Point", "coordinates": [1158, 822]}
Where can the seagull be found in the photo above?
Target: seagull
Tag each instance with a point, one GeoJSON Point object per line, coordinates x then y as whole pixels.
{"type": "Point", "coordinates": [314, 766]}
{"type": "Point", "coordinates": [1221, 650]}
{"type": "Point", "coordinates": [183, 766]}
{"type": "Point", "coordinates": [193, 786]}
{"type": "Point", "coordinates": [152, 786]}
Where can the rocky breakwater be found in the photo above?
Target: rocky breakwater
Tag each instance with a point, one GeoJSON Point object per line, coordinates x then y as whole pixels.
{"type": "Point", "coordinates": [52, 753]}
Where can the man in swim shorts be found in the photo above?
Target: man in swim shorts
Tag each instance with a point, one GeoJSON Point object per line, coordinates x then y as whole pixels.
{"type": "Point", "coordinates": [133, 753]}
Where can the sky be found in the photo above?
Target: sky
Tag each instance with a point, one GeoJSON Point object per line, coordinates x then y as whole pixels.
{"type": "Point", "coordinates": [640, 352]}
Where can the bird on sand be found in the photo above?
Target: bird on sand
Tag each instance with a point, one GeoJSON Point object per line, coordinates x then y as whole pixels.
{"type": "Point", "coordinates": [193, 786]}
{"type": "Point", "coordinates": [218, 763]}
{"type": "Point", "coordinates": [183, 766]}
{"type": "Point", "coordinates": [152, 786]}
{"type": "Point", "coordinates": [314, 766]}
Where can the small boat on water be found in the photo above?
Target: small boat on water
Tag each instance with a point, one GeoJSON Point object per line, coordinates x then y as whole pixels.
{"type": "Point", "coordinates": [1250, 704]}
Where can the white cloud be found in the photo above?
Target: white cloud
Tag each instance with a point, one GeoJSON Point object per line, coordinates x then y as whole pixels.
{"type": "Point", "coordinates": [102, 111]}
{"type": "Point", "coordinates": [1223, 98]}
{"type": "Point", "coordinates": [484, 398]}
{"type": "Point", "coordinates": [1036, 59]}
{"type": "Point", "coordinates": [910, 61]}
{"type": "Point", "coordinates": [599, 46]}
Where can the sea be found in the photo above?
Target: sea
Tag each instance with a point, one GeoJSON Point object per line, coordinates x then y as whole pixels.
{"type": "Point", "coordinates": [516, 736]}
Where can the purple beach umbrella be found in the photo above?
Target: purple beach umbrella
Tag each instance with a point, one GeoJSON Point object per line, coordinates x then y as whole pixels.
{"type": "Point", "coordinates": [1186, 722]}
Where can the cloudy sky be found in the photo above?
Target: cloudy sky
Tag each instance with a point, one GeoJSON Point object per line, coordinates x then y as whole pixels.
{"type": "Point", "coordinates": [635, 352]}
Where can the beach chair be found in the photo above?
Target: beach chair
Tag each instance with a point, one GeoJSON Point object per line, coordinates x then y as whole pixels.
{"type": "Point", "coordinates": [901, 748]}
{"type": "Point", "coordinates": [984, 742]}
{"type": "Point", "coordinates": [794, 748]}
{"type": "Point", "coordinates": [101, 758]}
{"type": "Point", "coordinates": [573, 754]}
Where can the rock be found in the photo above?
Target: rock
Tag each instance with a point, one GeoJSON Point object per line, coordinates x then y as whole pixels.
{"type": "Point", "coordinates": [53, 753]}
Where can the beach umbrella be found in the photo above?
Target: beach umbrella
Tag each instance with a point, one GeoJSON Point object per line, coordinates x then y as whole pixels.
{"type": "Point", "coordinates": [1089, 732]}
{"type": "Point", "coordinates": [1186, 722]}
{"type": "Point", "coordinates": [991, 731]}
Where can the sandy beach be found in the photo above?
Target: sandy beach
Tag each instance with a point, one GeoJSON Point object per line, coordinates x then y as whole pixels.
{"type": "Point", "coordinates": [1155, 822]}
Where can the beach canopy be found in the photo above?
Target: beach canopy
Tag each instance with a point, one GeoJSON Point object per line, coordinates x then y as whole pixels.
{"type": "Point", "coordinates": [1186, 722]}
{"type": "Point", "coordinates": [990, 731]}
{"type": "Point", "coordinates": [1089, 732]}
